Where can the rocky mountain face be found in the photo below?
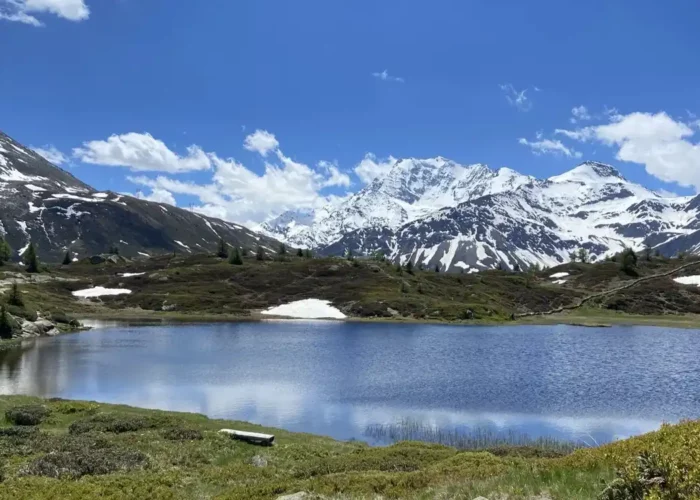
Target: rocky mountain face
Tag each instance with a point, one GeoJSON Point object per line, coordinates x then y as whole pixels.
{"type": "Point", "coordinates": [46, 205]}
{"type": "Point", "coordinates": [469, 218]}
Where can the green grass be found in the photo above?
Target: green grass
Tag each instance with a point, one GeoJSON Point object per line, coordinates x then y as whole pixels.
{"type": "Point", "coordinates": [93, 450]}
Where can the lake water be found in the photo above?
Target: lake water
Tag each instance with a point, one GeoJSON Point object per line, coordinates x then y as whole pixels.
{"type": "Point", "coordinates": [589, 384]}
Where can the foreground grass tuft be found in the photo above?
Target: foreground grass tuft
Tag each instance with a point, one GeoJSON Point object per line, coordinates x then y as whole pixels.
{"type": "Point", "coordinates": [91, 450]}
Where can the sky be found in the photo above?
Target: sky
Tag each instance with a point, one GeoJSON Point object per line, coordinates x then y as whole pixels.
{"type": "Point", "coordinates": [244, 109]}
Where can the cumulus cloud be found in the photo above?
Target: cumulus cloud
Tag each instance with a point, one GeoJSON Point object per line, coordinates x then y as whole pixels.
{"type": "Point", "coordinates": [549, 146]}
{"type": "Point", "coordinates": [386, 77]}
{"type": "Point", "coordinates": [516, 98]}
{"type": "Point", "coordinates": [141, 152]}
{"type": "Point", "coordinates": [664, 146]}
{"type": "Point", "coordinates": [52, 154]}
{"type": "Point", "coordinates": [236, 193]}
{"type": "Point", "coordinates": [22, 10]}
{"type": "Point", "coordinates": [372, 167]}
{"type": "Point", "coordinates": [261, 141]}
{"type": "Point", "coordinates": [158, 195]}
{"type": "Point", "coordinates": [579, 114]}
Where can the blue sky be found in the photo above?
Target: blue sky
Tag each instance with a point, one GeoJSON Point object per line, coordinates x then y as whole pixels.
{"type": "Point", "coordinates": [334, 81]}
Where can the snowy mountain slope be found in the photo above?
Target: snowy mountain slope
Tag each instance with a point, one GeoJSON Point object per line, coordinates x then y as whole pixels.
{"type": "Point", "coordinates": [411, 189]}
{"type": "Point", "coordinates": [538, 222]}
{"type": "Point", "coordinates": [46, 205]}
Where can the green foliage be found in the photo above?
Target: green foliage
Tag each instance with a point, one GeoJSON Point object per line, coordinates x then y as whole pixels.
{"type": "Point", "coordinates": [234, 257]}
{"type": "Point", "coordinates": [409, 266]}
{"type": "Point", "coordinates": [379, 256]}
{"type": "Point", "coordinates": [5, 324]}
{"type": "Point", "coordinates": [27, 415]}
{"type": "Point", "coordinates": [15, 298]}
{"type": "Point", "coordinates": [259, 253]}
{"type": "Point", "coordinates": [573, 256]}
{"type": "Point", "coordinates": [647, 253]}
{"type": "Point", "coordinates": [348, 254]}
{"type": "Point", "coordinates": [31, 259]}
{"type": "Point", "coordinates": [628, 261]}
{"type": "Point", "coordinates": [244, 252]}
{"type": "Point", "coordinates": [404, 287]}
{"type": "Point", "coordinates": [282, 249]}
{"type": "Point", "coordinates": [582, 255]}
{"type": "Point", "coordinates": [516, 268]}
{"type": "Point", "coordinates": [681, 255]}
{"type": "Point", "coordinates": [221, 249]}
{"type": "Point", "coordinates": [308, 254]}
{"type": "Point", "coordinates": [300, 252]}
{"type": "Point", "coordinates": [113, 250]}
{"type": "Point", "coordinates": [437, 268]}
{"type": "Point", "coordinates": [66, 258]}
{"type": "Point", "coordinates": [5, 251]}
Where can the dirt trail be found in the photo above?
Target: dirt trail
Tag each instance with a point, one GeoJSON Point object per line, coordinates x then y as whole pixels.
{"type": "Point", "coordinates": [608, 292]}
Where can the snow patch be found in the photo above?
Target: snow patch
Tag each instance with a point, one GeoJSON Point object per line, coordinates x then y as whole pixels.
{"type": "Point", "coordinates": [100, 291]}
{"type": "Point", "coordinates": [558, 282]}
{"type": "Point", "coordinates": [688, 280]}
{"type": "Point", "coordinates": [32, 187]}
{"type": "Point", "coordinates": [59, 196]}
{"type": "Point", "coordinates": [129, 275]}
{"type": "Point", "coordinates": [100, 195]}
{"type": "Point", "coordinates": [306, 309]}
{"type": "Point", "coordinates": [183, 245]}
{"type": "Point", "coordinates": [559, 275]}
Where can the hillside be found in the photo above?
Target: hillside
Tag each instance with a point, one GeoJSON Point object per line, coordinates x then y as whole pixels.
{"type": "Point", "coordinates": [94, 450]}
{"type": "Point", "coordinates": [46, 205]}
{"type": "Point", "coordinates": [207, 287]}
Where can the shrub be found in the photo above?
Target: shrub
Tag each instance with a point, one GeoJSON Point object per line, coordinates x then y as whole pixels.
{"type": "Point", "coordinates": [648, 476]}
{"type": "Point", "coordinates": [21, 312]}
{"type": "Point", "coordinates": [282, 249]}
{"type": "Point", "coordinates": [85, 462]}
{"type": "Point", "coordinates": [66, 258]}
{"type": "Point", "coordinates": [300, 253]}
{"type": "Point", "coordinates": [235, 257]}
{"type": "Point", "coordinates": [182, 434]}
{"type": "Point", "coordinates": [73, 407]}
{"type": "Point", "coordinates": [5, 251]}
{"type": "Point", "coordinates": [221, 250]}
{"type": "Point", "coordinates": [259, 253]}
{"type": "Point", "coordinates": [30, 258]}
{"type": "Point", "coordinates": [27, 415]}
{"type": "Point", "coordinates": [6, 327]}
{"type": "Point", "coordinates": [15, 298]}
{"type": "Point", "coordinates": [106, 422]}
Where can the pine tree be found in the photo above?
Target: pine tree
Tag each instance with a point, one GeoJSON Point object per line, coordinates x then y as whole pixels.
{"type": "Point", "coordinates": [572, 256]}
{"type": "Point", "coordinates": [582, 255]}
{"type": "Point", "coordinates": [437, 268]}
{"type": "Point", "coordinates": [5, 251]}
{"type": "Point", "coordinates": [300, 252]}
{"type": "Point", "coordinates": [31, 259]}
{"type": "Point", "coordinates": [404, 287]}
{"type": "Point", "coordinates": [647, 252]}
{"type": "Point", "coordinates": [221, 250]}
{"type": "Point", "coordinates": [5, 326]}
{"type": "Point", "coordinates": [283, 249]}
{"type": "Point", "coordinates": [15, 298]}
{"type": "Point", "coordinates": [348, 254]}
{"type": "Point", "coordinates": [628, 260]}
{"type": "Point", "coordinates": [66, 258]}
{"type": "Point", "coordinates": [234, 257]}
{"type": "Point", "coordinates": [244, 252]}
{"type": "Point", "coordinates": [259, 253]}
{"type": "Point", "coordinates": [409, 266]}
{"type": "Point", "coordinates": [113, 250]}
{"type": "Point", "coordinates": [308, 254]}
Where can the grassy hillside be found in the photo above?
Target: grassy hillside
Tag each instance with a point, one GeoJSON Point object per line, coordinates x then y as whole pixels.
{"type": "Point", "coordinates": [206, 286]}
{"type": "Point", "coordinates": [91, 450]}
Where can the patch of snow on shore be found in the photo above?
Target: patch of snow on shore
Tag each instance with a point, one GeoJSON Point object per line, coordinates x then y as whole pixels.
{"type": "Point", "coordinates": [688, 280]}
{"type": "Point", "coordinates": [558, 282]}
{"type": "Point", "coordinates": [559, 275]}
{"type": "Point", "coordinates": [129, 275]}
{"type": "Point", "coordinates": [99, 291]}
{"type": "Point", "coordinates": [306, 309]}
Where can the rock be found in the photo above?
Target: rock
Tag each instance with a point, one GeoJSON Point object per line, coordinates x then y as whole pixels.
{"type": "Point", "coordinates": [296, 496]}
{"type": "Point", "coordinates": [168, 307]}
{"type": "Point", "coordinates": [44, 325]}
{"type": "Point", "coordinates": [114, 259]}
{"type": "Point", "coordinates": [97, 259]}
{"type": "Point", "coordinates": [29, 329]}
{"type": "Point", "coordinates": [259, 461]}
{"type": "Point", "coordinates": [53, 332]}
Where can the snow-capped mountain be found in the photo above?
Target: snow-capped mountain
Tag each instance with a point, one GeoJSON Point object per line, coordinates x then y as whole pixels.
{"type": "Point", "coordinates": [466, 219]}
{"type": "Point", "coordinates": [411, 189]}
{"type": "Point", "coordinates": [46, 205]}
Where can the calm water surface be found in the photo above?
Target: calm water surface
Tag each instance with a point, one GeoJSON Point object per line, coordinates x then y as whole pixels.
{"type": "Point", "coordinates": [338, 378]}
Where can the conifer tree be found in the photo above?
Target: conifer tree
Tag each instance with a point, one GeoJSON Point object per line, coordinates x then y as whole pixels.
{"type": "Point", "coordinates": [5, 326]}
{"type": "Point", "coordinates": [15, 298]}
{"type": "Point", "coordinates": [221, 250]}
{"type": "Point", "coordinates": [66, 258]}
{"type": "Point", "coordinates": [234, 257]}
{"type": "Point", "coordinates": [31, 259]}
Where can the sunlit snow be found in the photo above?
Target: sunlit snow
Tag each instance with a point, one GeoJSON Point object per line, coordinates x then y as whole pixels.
{"type": "Point", "coordinates": [306, 309]}
{"type": "Point", "coordinates": [100, 291]}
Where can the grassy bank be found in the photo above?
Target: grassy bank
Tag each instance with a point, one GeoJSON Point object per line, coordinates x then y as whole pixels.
{"type": "Point", "coordinates": [92, 450]}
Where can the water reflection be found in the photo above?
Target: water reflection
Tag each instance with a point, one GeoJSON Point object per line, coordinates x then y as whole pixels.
{"type": "Point", "coordinates": [336, 379]}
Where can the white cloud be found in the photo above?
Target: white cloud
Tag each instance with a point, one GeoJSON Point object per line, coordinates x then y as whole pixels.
{"type": "Point", "coordinates": [371, 167]}
{"type": "Point", "coordinates": [657, 141]}
{"type": "Point", "coordinates": [582, 134]}
{"type": "Point", "coordinates": [516, 98]}
{"type": "Point", "coordinates": [141, 152]}
{"type": "Point", "coordinates": [21, 10]}
{"type": "Point", "coordinates": [238, 194]}
{"type": "Point", "coordinates": [158, 195]}
{"type": "Point", "coordinates": [665, 193]}
{"type": "Point", "coordinates": [580, 113]}
{"type": "Point", "coordinates": [386, 77]}
{"type": "Point", "coordinates": [261, 141]}
{"type": "Point", "coordinates": [549, 146]}
{"type": "Point", "coordinates": [51, 154]}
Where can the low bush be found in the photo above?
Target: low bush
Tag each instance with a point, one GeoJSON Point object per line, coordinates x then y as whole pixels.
{"type": "Point", "coordinates": [181, 434]}
{"type": "Point", "coordinates": [106, 422]}
{"type": "Point", "coordinates": [79, 463]}
{"type": "Point", "coordinates": [27, 415]}
{"type": "Point", "coordinates": [73, 407]}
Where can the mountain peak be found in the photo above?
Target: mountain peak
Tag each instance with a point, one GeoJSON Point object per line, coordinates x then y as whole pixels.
{"type": "Point", "coordinates": [590, 171]}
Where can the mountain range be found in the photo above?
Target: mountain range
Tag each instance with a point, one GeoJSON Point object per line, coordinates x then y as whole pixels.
{"type": "Point", "coordinates": [48, 206]}
{"type": "Point", "coordinates": [467, 218]}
